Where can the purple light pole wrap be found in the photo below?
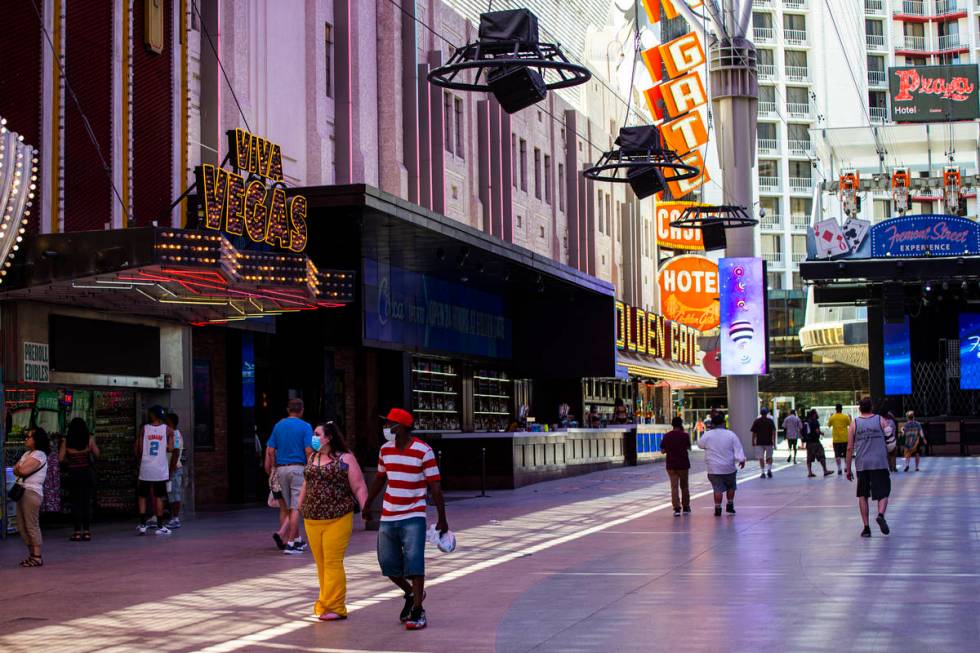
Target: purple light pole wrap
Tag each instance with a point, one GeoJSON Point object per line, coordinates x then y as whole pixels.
{"type": "Point", "coordinates": [744, 337]}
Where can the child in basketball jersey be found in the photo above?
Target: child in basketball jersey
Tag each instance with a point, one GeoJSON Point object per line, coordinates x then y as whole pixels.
{"type": "Point", "coordinates": [158, 459]}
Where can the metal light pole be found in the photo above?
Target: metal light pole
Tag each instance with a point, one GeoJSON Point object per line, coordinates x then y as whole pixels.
{"type": "Point", "coordinates": [734, 90]}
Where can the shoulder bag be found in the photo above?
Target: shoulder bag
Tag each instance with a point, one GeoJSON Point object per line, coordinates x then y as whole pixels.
{"type": "Point", "coordinates": [16, 492]}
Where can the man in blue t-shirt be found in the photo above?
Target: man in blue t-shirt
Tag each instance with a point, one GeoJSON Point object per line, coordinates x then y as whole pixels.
{"type": "Point", "coordinates": [289, 447]}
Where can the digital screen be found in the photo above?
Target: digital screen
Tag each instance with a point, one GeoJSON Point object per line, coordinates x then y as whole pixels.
{"type": "Point", "coordinates": [933, 93]}
{"type": "Point", "coordinates": [898, 358]}
{"type": "Point", "coordinates": [744, 337]}
{"type": "Point", "coordinates": [969, 351]}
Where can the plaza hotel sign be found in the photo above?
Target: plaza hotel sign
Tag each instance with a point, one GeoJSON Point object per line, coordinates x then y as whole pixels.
{"type": "Point", "coordinates": [250, 200]}
{"type": "Point", "coordinates": [642, 332]}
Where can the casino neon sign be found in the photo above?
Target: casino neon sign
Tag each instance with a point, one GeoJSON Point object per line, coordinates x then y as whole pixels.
{"type": "Point", "coordinates": [250, 200]}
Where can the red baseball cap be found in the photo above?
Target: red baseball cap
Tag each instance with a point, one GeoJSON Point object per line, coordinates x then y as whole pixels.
{"type": "Point", "coordinates": [400, 416]}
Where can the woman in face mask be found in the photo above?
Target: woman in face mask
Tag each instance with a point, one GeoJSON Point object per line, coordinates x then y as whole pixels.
{"type": "Point", "coordinates": [333, 487]}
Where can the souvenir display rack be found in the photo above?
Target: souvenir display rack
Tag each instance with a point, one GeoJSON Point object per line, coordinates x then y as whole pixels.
{"type": "Point", "coordinates": [436, 397]}
{"type": "Point", "coordinates": [493, 400]}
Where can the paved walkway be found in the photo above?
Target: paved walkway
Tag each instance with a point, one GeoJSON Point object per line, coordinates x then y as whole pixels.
{"type": "Point", "coordinates": [593, 563]}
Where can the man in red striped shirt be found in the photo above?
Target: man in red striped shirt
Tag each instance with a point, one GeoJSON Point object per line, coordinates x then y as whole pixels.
{"type": "Point", "coordinates": [408, 466]}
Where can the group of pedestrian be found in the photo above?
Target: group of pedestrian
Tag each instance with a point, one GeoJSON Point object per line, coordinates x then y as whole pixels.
{"type": "Point", "coordinates": [159, 449]}
{"type": "Point", "coordinates": [313, 474]}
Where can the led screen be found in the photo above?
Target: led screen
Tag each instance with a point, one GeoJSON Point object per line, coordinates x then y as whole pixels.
{"type": "Point", "coordinates": [898, 358]}
{"type": "Point", "coordinates": [744, 337]}
{"type": "Point", "coordinates": [970, 351]}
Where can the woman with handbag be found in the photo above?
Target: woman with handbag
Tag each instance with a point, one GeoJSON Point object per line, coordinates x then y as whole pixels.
{"type": "Point", "coordinates": [28, 492]}
{"type": "Point", "coordinates": [333, 488]}
{"type": "Point", "coordinates": [78, 452]}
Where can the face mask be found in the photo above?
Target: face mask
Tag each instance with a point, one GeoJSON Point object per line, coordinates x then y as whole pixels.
{"type": "Point", "coordinates": [316, 443]}
{"type": "Point", "coordinates": [389, 434]}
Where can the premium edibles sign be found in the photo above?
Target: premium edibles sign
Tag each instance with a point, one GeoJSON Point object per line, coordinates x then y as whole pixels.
{"type": "Point", "coordinates": [934, 93]}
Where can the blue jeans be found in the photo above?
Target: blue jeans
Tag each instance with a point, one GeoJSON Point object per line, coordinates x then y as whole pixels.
{"type": "Point", "coordinates": [401, 547]}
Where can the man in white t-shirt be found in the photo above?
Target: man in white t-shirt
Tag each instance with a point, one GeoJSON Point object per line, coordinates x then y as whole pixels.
{"type": "Point", "coordinates": [722, 454]}
{"type": "Point", "coordinates": [175, 489]}
{"type": "Point", "coordinates": [158, 460]}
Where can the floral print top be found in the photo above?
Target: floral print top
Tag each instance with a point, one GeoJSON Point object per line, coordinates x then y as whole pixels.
{"type": "Point", "coordinates": [328, 492]}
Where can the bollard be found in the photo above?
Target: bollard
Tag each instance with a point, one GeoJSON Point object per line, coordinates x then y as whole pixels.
{"type": "Point", "coordinates": [483, 472]}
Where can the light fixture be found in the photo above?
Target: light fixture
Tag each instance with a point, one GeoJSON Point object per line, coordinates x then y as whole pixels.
{"type": "Point", "coordinates": [641, 160]}
{"type": "Point", "coordinates": [510, 62]}
{"type": "Point", "coordinates": [713, 221]}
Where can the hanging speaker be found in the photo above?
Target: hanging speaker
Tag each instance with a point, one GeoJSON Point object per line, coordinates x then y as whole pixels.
{"type": "Point", "coordinates": [714, 237]}
{"type": "Point", "coordinates": [516, 87]}
{"type": "Point", "coordinates": [646, 181]}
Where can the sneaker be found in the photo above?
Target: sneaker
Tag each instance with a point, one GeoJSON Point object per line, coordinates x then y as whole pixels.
{"type": "Point", "coordinates": [279, 542]}
{"type": "Point", "coordinates": [407, 608]}
{"type": "Point", "coordinates": [141, 529]}
{"type": "Point", "coordinates": [687, 509]}
{"type": "Point", "coordinates": [300, 544]}
{"type": "Point", "coordinates": [174, 523]}
{"type": "Point", "coordinates": [829, 473]}
{"type": "Point", "coordinates": [677, 513]}
{"type": "Point", "coordinates": [839, 472]}
{"type": "Point", "coordinates": [769, 474]}
{"type": "Point", "coordinates": [163, 530]}
{"type": "Point", "coordinates": [811, 475]}
{"type": "Point", "coordinates": [717, 511]}
{"type": "Point", "coordinates": [292, 550]}
{"type": "Point", "coordinates": [762, 475]}
{"type": "Point", "coordinates": [883, 525]}
{"type": "Point", "coordinates": [866, 532]}
{"type": "Point", "coordinates": [152, 521]}
{"type": "Point", "coordinates": [416, 620]}
{"type": "Point", "coordinates": [730, 508]}
{"type": "Point", "coordinates": [906, 469]}
{"type": "Point", "coordinates": [788, 458]}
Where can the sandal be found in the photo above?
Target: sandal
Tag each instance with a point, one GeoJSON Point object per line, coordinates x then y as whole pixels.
{"type": "Point", "coordinates": [75, 537]}
{"type": "Point", "coordinates": [86, 536]}
{"type": "Point", "coordinates": [32, 561]}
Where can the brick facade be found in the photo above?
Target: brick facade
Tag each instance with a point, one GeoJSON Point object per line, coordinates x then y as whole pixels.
{"type": "Point", "coordinates": [211, 466]}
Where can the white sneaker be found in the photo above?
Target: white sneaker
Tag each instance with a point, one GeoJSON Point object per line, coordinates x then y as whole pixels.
{"type": "Point", "coordinates": [163, 530]}
{"type": "Point", "coordinates": [152, 521]}
{"type": "Point", "coordinates": [174, 523]}
{"type": "Point", "coordinates": [141, 529]}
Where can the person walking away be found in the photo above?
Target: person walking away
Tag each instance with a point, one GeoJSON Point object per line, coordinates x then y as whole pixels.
{"type": "Point", "coordinates": [30, 472]}
{"type": "Point", "coordinates": [722, 454]}
{"type": "Point", "coordinates": [866, 446]}
{"type": "Point", "coordinates": [814, 448]}
{"type": "Point", "coordinates": [333, 487]}
{"type": "Point", "coordinates": [175, 492]}
{"type": "Point", "coordinates": [675, 445]}
{"type": "Point", "coordinates": [289, 448]}
{"type": "Point", "coordinates": [792, 426]}
{"type": "Point", "coordinates": [764, 439]}
{"type": "Point", "coordinates": [839, 424]}
{"type": "Point", "coordinates": [77, 453]}
{"type": "Point", "coordinates": [406, 468]}
{"type": "Point", "coordinates": [915, 440]}
{"type": "Point", "coordinates": [158, 460]}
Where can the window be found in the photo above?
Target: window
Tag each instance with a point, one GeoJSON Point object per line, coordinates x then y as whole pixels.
{"type": "Point", "coordinates": [523, 165]}
{"type": "Point", "coordinates": [874, 27]}
{"type": "Point", "coordinates": [799, 169]}
{"type": "Point", "coordinates": [447, 122]}
{"type": "Point", "coordinates": [541, 231]}
{"type": "Point", "coordinates": [797, 281]}
{"type": "Point", "coordinates": [763, 21]}
{"type": "Point", "coordinates": [797, 95]}
{"type": "Point", "coordinates": [798, 132]}
{"type": "Point", "coordinates": [799, 246]}
{"type": "Point", "coordinates": [877, 99]}
{"type": "Point", "coordinates": [609, 213]}
{"type": "Point", "coordinates": [774, 280]}
{"type": "Point", "coordinates": [537, 173]}
{"type": "Point", "coordinates": [561, 186]}
{"type": "Point", "coordinates": [548, 190]}
{"type": "Point", "coordinates": [794, 22]}
{"type": "Point", "coordinates": [876, 64]}
{"type": "Point", "coordinates": [916, 61]}
{"type": "Point", "coordinates": [766, 131]}
{"type": "Point", "coordinates": [765, 57]}
{"type": "Point", "coordinates": [767, 94]}
{"type": "Point", "coordinates": [801, 207]}
{"type": "Point", "coordinates": [768, 168]}
{"type": "Point", "coordinates": [513, 159]}
{"type": "Point", "coordinates": [602, 227]}
{"type": "Point", "coordinates": [771, 207]}
{"type": "Point", "coordinates": [519, 220]}
{"type": "Point", "coordinates": [619, 232]}
{"type": "Point", "coordinates": [795, 58]}
{"type": "Point", "coordinates": [328, 57]}
{"type": "Point", "coordinates": [882, 210]}
{"type": "Point", "coordinates": [458, 106]}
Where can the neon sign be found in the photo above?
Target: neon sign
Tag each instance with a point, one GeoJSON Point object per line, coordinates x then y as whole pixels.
{"type": "Point", "coordinates": [243, 205]}
{"type": "Point", "coordinates": [744, 337]}
{"type": "Point", "coordinates": [675, 237]}
{"type": "Point", "coordinates": [934, 93]}
{"type": "Point", "coordinates": [654, 335]}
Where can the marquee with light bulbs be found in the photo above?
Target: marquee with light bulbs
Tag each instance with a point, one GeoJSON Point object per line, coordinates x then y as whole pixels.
{"type": "Point", "coordinates": [18, 179]}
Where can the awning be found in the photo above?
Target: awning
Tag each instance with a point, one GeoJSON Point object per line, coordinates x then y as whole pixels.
{"type": "Point", "coordinates": [679, 376]}
{"type": "Point", "coordinates": [179, 274]}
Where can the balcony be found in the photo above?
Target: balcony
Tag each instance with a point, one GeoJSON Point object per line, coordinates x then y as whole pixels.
{"type": "Point", "coordinates": [762, 3]}
{"type": "Point", "coordinates": [763, 35]}
{"type": "Point", "coordinates": [878, 114]}
{"type": "Point", "coordinates": [949, 42]}
{"type": "Point", "coordinates": [795, 4]}
{"type": "Point", "coordinates": [774, 259]}
{"type": "Point", "coordinates": [798, 257]}
{"type": "Point", "coordinates": [769, 185]}
{"type": "Point", "coordinates": [800, 184]}
{"type": "Point", "coordinates": [794, 36]}
{"type": "Point", "coordinates": [766, 108]}
{"type": "Point", "coordinates": [916, 43]}
{"type": "Point", "coordinates": [798, 109]}
{"type": "Point", "coordinates": [798, 73]}
{"type": "Point", "coordinates": [768, 145]}
{"type": "Point", "coordinates": [771, 222]}
{"type": "Point", "coordinates": [766, 71]}
{"type": "Point", "coordinates": [946, 7]}
{"type": "Point", "coordinates": [876, 77]}
{"type": "Point", "coordinates": [799, 221]}
{"type": "Point", "coordinates": [911, 8]}
{"type": "Point", "coordinates": [875, 41]}
{"type": "Point", "coordinates": [799, 148]}
{"type": "Point", "coordinates": [874, 7]}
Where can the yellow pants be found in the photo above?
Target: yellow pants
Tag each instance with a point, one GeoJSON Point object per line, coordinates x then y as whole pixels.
{"type": "Point", "coordinates": [328, 542]}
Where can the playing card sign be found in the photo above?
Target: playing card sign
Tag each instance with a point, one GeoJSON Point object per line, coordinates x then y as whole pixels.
{"type": "Point", "coordinates": [829, 240]}
{"type": "Point", "coordinates": [855, 231]}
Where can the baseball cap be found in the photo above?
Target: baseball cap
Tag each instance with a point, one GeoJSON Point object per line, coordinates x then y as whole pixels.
{"type": "Point", "coordinates": [399, 416]}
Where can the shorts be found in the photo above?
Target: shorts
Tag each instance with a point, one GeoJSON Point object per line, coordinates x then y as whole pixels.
{"type": "Point", "coordinates": [401, 547]}
{"type": "Point", "coordinates": [290, 478]}
{"type": "Point", "coordinates": [876, 483]}
{"type": "Point", "coordinates": [815, 451]}
{"type": "Point", "coordinates": [722, 482]}
{"type": "Point", "coordinates": [840, 450]}
{"type": "Point", "coordinates": [159, 488]}
{"type": "Point", "coordinates": [763, 451]}
{"type": "Point", "coordinates": [175, 488]}
{"type": "Point", "coordinates": [791, 442]}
